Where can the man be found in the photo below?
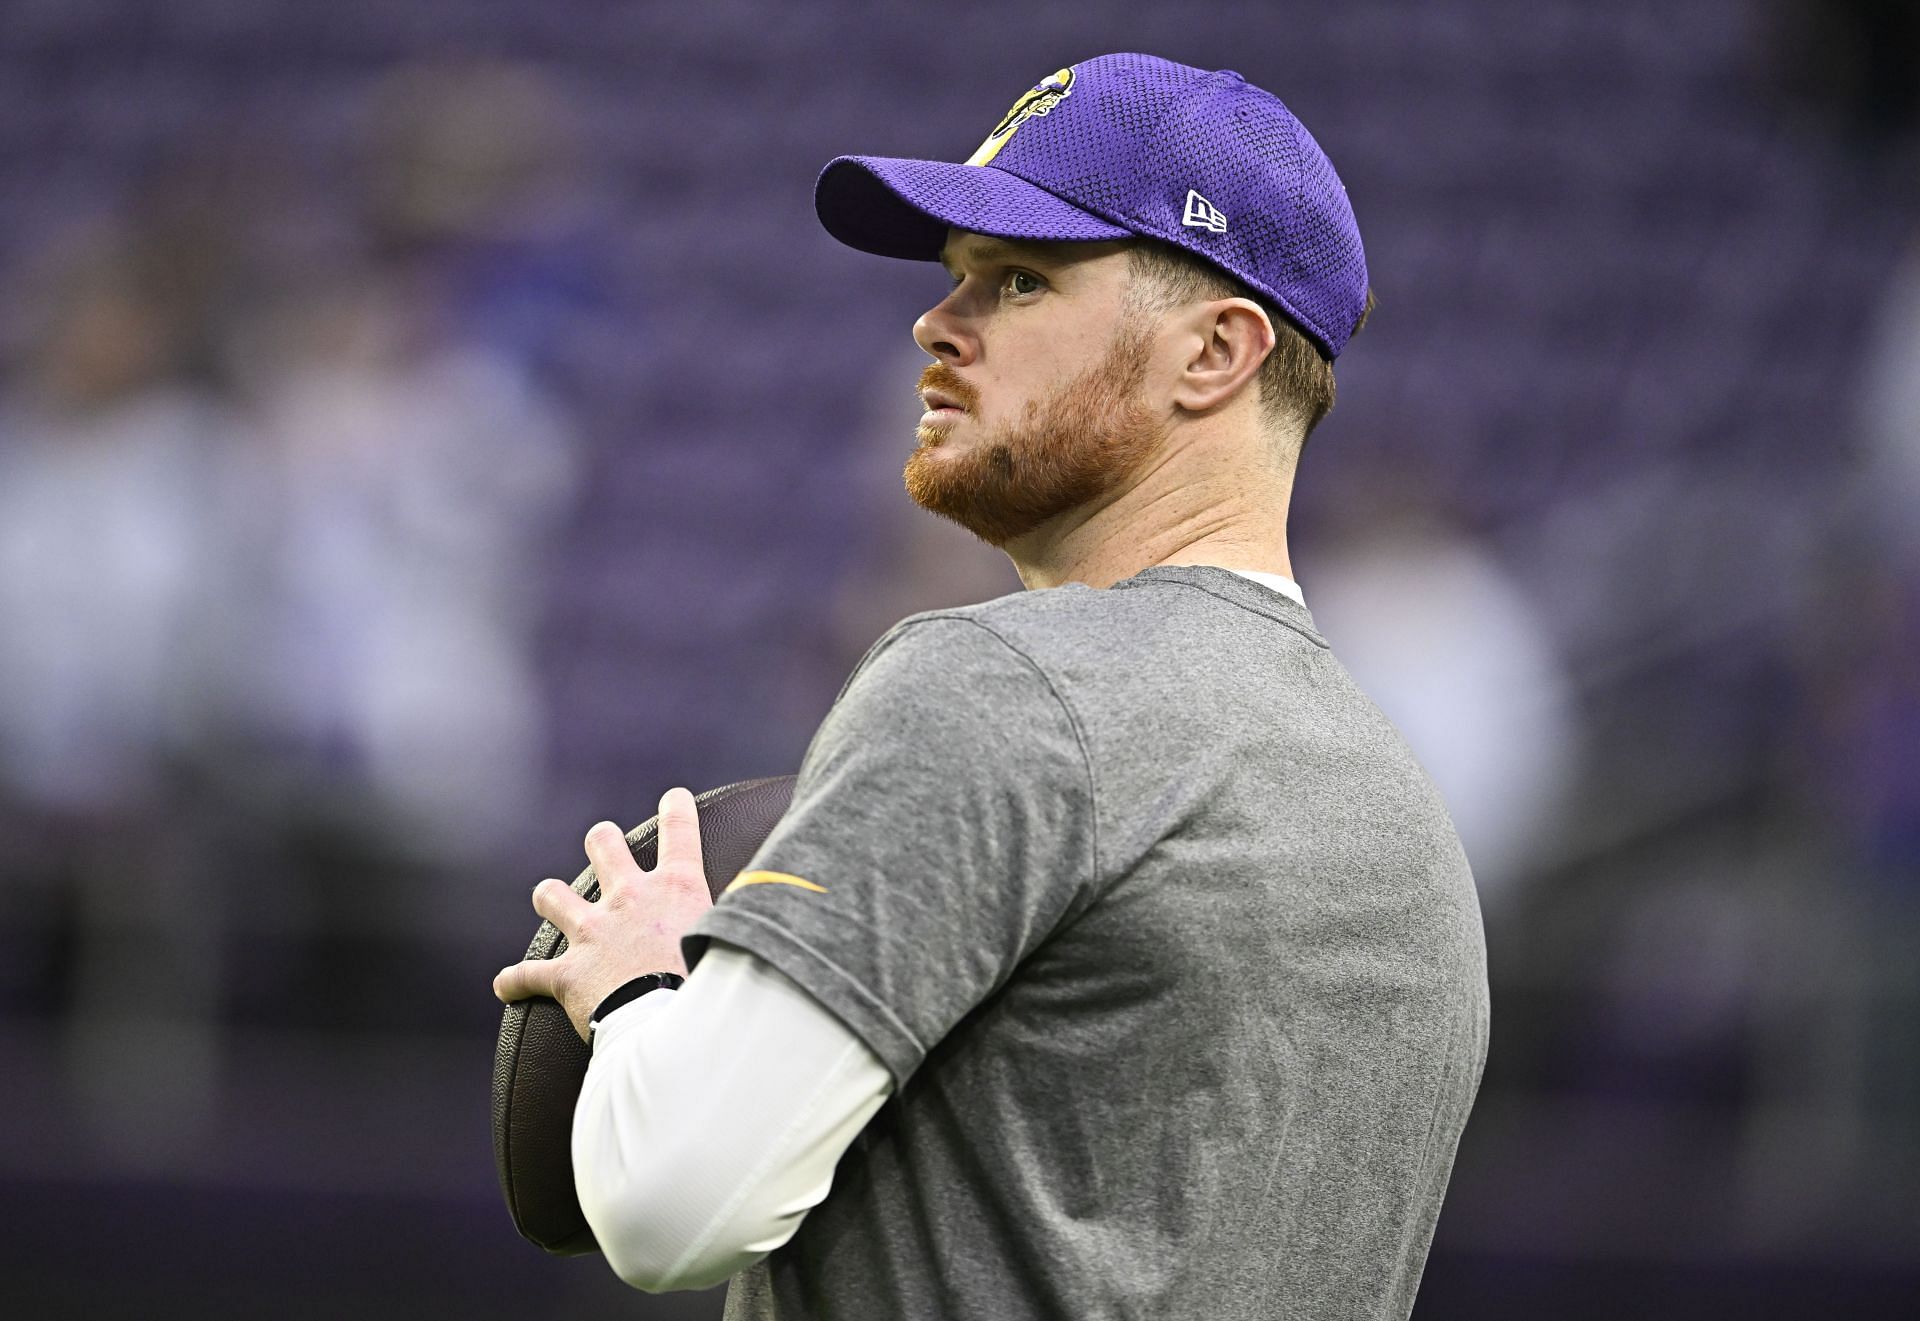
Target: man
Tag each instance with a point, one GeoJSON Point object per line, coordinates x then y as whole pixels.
{"type": "Point", "coordinates": [1115, 958]}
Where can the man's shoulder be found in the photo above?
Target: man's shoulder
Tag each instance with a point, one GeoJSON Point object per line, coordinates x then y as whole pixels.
{"type": "Point", "coordinates": [1055, 613]}
{"type": "Point", "coordinates": [1040, 630]}
{"type": "Point", "coordinates": [1020, 614]}
{"type": "Point", "coordinates": [1012, 650]}
{"type": "Point", "coordinates": [954, 640]}
{"type": "Point", "coordinates": [965, 680]}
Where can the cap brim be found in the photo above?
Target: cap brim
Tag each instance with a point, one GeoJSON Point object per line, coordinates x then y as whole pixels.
{"type": "Point", "coordinates": [903, 208]}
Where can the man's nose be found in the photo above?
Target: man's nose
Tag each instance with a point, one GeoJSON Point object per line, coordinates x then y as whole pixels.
{"type": "Point", "coordinates": [942, 334]}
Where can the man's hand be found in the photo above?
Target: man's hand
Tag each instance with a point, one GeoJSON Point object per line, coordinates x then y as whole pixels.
{"type": "Point", "coordinates": [635, 928]}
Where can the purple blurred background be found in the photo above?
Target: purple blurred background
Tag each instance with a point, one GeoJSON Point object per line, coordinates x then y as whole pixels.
{"type": "Point", "coordinates": [429, 428]}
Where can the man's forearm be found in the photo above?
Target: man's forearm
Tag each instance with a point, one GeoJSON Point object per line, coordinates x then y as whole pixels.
{"type": "Point", "coordinates": [711, 1121]}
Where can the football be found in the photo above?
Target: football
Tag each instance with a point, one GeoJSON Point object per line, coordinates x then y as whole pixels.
{"type": "Point", "coordinates": [540, 1062]}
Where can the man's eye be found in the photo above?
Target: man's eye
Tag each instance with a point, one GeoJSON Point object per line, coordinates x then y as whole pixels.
{"type": "Point", "coordinates": [1019, 282]}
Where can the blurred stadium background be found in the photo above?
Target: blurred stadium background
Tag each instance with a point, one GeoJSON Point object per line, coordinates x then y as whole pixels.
{"type": "Point", "coordinates": [428, 428]}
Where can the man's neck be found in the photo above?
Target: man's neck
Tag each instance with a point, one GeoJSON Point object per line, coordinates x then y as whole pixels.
{"type": "Point", "coordinates": [1234, 517]}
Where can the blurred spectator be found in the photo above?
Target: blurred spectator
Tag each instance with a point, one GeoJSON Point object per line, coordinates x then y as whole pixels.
{"type": "Point", "coordinates": [403, 486]}
{"type": "Point", "coordinates": [1869, 685]}
{"type": "Point", "coordinates": [414, 465]}
{"type": "Point", "coordinates": [1889, 413]}
{"type": "Point", "coordinates": [109, 463]}
{"type": "Point", "coordinates": [1440, 636]}
{"type": "Point", "coordinates": [112, 464]}
{"type": "Point", "coordinates": [470, 187]}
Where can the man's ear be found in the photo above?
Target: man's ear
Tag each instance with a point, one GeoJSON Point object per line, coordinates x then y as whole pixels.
{"type": "Point", "coordinates": [1230, 338]}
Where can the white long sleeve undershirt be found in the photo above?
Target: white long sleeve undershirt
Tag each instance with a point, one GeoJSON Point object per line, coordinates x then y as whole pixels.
{"type": "Point", "coordinates": [711, 1121]}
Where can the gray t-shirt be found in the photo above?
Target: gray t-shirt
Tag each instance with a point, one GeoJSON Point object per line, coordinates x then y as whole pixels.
{"type": "Point", "coordinates": [1169, 945]}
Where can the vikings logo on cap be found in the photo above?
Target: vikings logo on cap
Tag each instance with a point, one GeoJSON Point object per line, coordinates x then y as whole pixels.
{"type": "Point", "coordinates": [1050, 92]}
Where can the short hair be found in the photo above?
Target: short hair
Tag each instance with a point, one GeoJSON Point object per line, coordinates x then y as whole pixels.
{"type": "Point", "coordinates": [1296, 380]}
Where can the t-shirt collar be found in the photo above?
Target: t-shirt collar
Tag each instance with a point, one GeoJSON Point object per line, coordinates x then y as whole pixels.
{"type": "Point", "coordinates": [1279, 582]}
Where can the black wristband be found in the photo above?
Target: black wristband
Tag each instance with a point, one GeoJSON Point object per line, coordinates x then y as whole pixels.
{"type": "Point", "coordinates": [633, 990]}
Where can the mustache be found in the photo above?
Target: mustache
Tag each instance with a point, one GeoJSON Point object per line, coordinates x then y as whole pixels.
{"type": "Point", "coordinates": [939, 376]}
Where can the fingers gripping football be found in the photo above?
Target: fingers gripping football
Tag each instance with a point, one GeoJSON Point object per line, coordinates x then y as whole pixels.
{"type": "Point", "coordinates": [681, 865]}
{"type": "Point", "coordinates": [636, 926]}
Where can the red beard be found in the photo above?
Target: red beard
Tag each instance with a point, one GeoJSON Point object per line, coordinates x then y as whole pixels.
{"type": "Point", "coordinates": [1070, 450]}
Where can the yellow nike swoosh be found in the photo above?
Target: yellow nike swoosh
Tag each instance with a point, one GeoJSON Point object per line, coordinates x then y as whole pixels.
{"type": "Point", "coordinates": [771, 878]}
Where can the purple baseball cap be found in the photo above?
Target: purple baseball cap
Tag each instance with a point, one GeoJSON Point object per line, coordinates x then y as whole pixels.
{"type": "Point", "coordinates": [1123, 146]}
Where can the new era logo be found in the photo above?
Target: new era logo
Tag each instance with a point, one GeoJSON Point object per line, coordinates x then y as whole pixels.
{"type": "Point", "coordinates": [1202, 214]}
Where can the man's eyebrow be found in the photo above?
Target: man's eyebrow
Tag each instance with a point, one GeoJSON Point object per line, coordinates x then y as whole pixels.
{"type": "Point", "coordinates": [987, 250]}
